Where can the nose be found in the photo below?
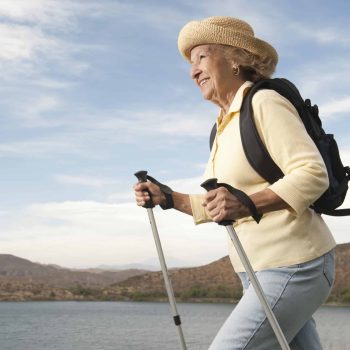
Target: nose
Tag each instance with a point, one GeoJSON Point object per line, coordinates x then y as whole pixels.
{"type": "Point", "coordinates": [195, 71]}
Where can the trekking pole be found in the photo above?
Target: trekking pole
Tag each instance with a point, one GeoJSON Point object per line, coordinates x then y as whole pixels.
{"type": "Point", "coordinates": [211, 184]}
{"type": "Point", "coordinates": [142, 177]}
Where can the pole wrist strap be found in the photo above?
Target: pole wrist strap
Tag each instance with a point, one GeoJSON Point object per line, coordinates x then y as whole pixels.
{"type": "Point", "coordinates": [245, 199]}
{"type": "Point", "coordinates": [166, 190]}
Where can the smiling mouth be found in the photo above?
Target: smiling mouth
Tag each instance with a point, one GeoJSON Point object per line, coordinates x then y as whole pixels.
{"type": "Point", "coordinates": [202, 82]}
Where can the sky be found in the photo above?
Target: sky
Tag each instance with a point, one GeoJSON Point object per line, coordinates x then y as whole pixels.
{"type": "Point", "coordinates": [93, 91]}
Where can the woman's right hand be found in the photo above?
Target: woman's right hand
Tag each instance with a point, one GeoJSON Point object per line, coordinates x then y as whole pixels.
{"type": "Point", "coordinates": [142, 190]}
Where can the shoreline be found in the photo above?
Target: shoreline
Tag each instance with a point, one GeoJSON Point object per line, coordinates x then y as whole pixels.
{"type": "Point", "coordinates": [159, 300]}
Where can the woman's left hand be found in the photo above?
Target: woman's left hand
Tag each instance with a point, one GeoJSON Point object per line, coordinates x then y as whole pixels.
{"type": "Point", "coordinates": [223, 205]}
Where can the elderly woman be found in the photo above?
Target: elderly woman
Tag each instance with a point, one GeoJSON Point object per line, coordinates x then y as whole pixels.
{"type": "Point", "coordinates": [291, 249]}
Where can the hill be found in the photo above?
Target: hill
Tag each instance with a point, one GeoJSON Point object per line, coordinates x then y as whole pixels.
{"type": "Point", "coordinates": [213, 281]}
{"type": "Point", "coordinates": [217, 281]}
{"type": "Point", "coordinates": [21, 279]}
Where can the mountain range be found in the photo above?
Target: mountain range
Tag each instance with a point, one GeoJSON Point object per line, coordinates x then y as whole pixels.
{"type": "Point", "coordinates": [21, 279]}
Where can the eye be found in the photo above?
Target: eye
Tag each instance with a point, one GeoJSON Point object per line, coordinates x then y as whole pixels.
{"type": "Point", "coordinates": [201, 56]}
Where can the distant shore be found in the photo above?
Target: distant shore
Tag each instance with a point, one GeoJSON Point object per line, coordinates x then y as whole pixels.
{"type": "Point", "coordinates": [216, 282]}
{"type": "Point", "coordinates": [155, 300]}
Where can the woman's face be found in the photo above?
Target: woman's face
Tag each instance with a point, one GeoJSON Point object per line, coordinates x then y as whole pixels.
{"type": "Point", "coordinates": [213, 73]}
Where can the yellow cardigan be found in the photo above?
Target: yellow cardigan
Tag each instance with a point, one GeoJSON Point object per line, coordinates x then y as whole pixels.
{"type": "Point", "coordinates": [283, 237]}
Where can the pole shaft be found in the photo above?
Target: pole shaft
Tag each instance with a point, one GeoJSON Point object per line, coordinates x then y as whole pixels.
{"type": "Point", "coordinates": [260, 293]}
{"type": "Point", "coordinates": [167, 281]}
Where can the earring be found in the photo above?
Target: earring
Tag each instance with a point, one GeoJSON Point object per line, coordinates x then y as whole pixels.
{"type": "Point", "coordinates": [235, 70]}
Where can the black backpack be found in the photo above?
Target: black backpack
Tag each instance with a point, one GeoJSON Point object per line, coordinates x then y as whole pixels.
{"type": "Point", "coordinates": [262, 163]}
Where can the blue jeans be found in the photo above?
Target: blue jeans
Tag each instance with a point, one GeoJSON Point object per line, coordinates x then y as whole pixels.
{"type": "Point", "coordinates": [294, 294]}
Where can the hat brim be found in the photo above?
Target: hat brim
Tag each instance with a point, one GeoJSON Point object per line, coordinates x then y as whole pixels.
{"type": "Point", "coordinates": [197, 33]}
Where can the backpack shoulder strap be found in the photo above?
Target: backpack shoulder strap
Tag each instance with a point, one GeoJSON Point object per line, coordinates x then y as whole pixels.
{"type": "Point", "coordinates": [254, 149]}
{"type": "Point", "coordinates": [212, 136]}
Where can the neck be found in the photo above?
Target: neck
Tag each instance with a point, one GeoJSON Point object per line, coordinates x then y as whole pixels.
{"type": "Point", "coordinates": [225, 101]}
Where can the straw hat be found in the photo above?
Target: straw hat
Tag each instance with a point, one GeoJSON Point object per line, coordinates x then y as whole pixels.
{"type": "Point", "coordinates": [225, 31]}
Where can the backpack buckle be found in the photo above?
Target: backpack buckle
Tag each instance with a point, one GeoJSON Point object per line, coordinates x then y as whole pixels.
{"type": "Point", "coordinates": [347, 171]}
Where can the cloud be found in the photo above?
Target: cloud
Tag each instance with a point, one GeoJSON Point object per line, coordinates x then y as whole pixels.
{"type": "Point", "coordinates": [51, 110]}
{"type": "Point", "coordinates": [191, 185]}
{"type": "Point", "coordinates": [53, 14]}
{"type": "Point", "coordinates": [341, 105]}
{"type": "Point", "coordinates": [71, 232]}
{"type": "Point", "coordinates": [96, 233]}
{"type": "Point", "coordinates": [339, 225]}
{"type": "Point", "coordinates": [324, 35]}
{"type": "Point", "coordinates": [48, 83]}
{"type": "Point", "coordinates": [34, 34]}
{"type": "Point", "coordinates": [87, 181]}
{"type": "Point", "coordinates": [31, 52]}
{"type": "Point", "coordinates": [69, 130]}
{"type": "Point", "coordinates": [120, 197]}
{"type": "Point", "coordinates": [267, 25]}
{"type": "Point", "coordinates": [42, 105]}
{"type": "Point", "coordinates": [34, 11]}
{"type": "Point", "coordinates": [184, 185]}
{"type": "Point", "coordinates": [48, 146]}
{"type": "Point", "coordinates": [169, 122]}
{"type": "Point", "coordinates": [38, 47]}
{"type": "Point", "coordinates": [19, 42]}
{"type": "Point", "coordinates": [328, 90]}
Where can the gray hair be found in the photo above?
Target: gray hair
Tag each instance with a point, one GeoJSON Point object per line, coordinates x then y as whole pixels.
{"type": "Point", "coordinates": [252, 67]}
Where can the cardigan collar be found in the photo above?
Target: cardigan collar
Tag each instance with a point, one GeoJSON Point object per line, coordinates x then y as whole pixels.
{"type": "Point", "coordinates": [224, 119]}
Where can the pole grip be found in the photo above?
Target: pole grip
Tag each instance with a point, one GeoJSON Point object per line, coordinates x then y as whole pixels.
{"type": "Point", "coordinates": [212, 184]}
{"type": "Point", "coordinates": [142, 177]}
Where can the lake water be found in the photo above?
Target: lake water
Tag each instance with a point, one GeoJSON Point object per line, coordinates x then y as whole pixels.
{"type": "Point", "coordinates": [136, 326]}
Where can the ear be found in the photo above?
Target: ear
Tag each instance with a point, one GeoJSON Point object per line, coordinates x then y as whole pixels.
{"type": "Point", "coordinates": [235, 69]}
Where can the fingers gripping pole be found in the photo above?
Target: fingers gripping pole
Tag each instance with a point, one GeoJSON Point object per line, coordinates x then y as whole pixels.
{"type": "Point", "coordinates": [210, 185]}
{"type": "Point", "coordinates": [142, 177]}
